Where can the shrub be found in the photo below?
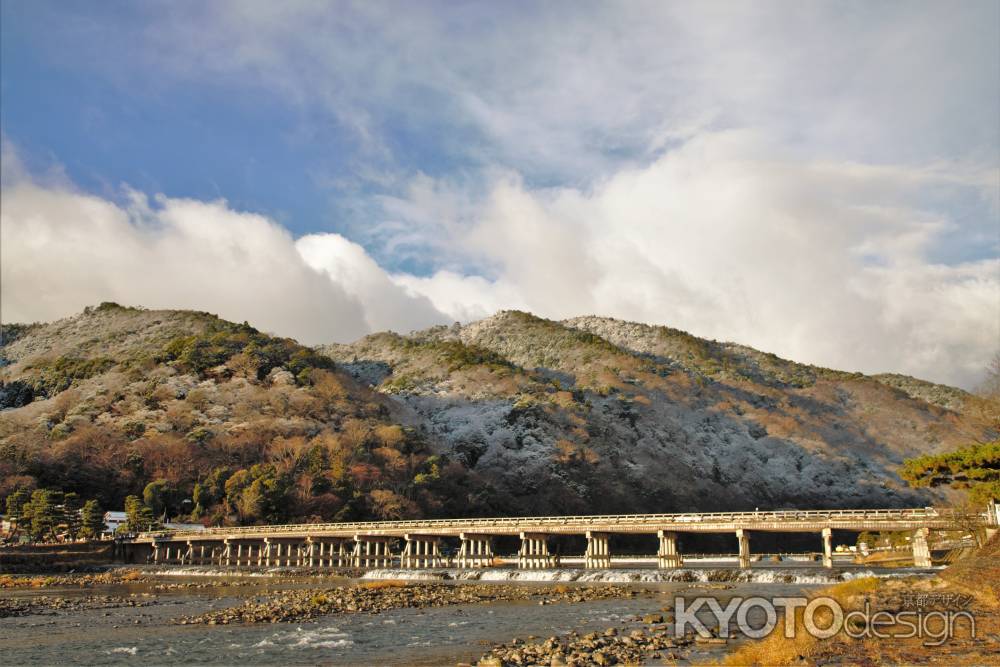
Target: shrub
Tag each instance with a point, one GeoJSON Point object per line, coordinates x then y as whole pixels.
{"type": "Point", "coordinates": [56, 376]}
{"type": "Point", "coordinates": [223, 342]}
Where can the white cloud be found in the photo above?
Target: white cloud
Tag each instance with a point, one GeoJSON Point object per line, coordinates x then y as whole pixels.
{"type": "Point", "coordinates": [822, 262]}
{"type": "Point", "coordinates": [573, 94]}
{"type": "Point", "coordinates": [730, 238]}
{"type": "Point", "coordinates": [463, 298]}
{"type": "Point", "coordinates": [64, 250]}
{"type": "Point", "coordinates": [386, 305]}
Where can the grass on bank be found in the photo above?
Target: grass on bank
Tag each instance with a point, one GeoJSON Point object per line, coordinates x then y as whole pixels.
{"type": "Point", "coordinates": [775, 649]}
{"type": "Point", "coordinates": [384, 583]}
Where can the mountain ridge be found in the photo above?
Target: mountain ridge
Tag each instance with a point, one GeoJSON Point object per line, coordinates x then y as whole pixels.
{"type": "Point", "coordinates": [514, 413]}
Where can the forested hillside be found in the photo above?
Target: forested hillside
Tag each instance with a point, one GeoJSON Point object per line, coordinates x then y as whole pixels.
{"type": "Point", "coordinates": [216, 421]}
{"type": "Point", "coordinates": [224, 422]}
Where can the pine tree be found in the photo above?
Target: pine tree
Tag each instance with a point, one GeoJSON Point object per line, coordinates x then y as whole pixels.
{"type": "Point", "coordinates": [71, 514]}
{"type": "Point", "coordinates": [976, 468]}
{"type": "Point", "coordinates": [44, 514]}
{"type": "Point", "coordinates": [139, 515]}
{"type": "Point", "coordinates": [92, 520]}
{"type": "Point", "coordinates": [17, 507]}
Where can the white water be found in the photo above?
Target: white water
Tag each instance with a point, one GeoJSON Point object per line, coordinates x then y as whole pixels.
{"type": "Point", "coordinates": [797, 574]}
{"type": "Point", "coordinates": [762, 576]}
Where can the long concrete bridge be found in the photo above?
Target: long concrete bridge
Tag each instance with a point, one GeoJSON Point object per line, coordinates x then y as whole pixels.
{"type": "Point", "coordinates": [418, 543]}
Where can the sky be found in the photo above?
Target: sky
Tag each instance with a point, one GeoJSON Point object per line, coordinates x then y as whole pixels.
{"type": "Point", "coordinates": [818, 180]}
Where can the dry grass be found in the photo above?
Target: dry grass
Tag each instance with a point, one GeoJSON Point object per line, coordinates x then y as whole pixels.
{"type": "Point", "coordinates": [384, 583]}
{"type": "Point", "coordinates": [7, 581]}
{"type": "Point", "coordinates": [896, 649]}
{"type": "Point", "coordinates": [900, 557]}
{"type": "Point", "coordinates": [778, 650]}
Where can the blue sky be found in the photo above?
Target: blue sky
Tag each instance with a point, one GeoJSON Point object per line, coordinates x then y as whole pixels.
{"type": "Point", "coordinates": [819, 180]}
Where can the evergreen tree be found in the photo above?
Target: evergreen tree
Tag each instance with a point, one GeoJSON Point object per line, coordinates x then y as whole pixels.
{"type": "Point", "coordinates": [17, 505]}
{"type": "Point", "coordinates": [71, 514]}
{"type": "Point", "coordinates": [44, 514]}
{"type": "Point", "coordinates": [92, 520]}
{"type": "Point", "coordinates": [138, 515]}
{"type": "Point", "coordinates": [976, 468]}
{"type": "Point", "coordinates": [202, 498]}
{"type": "Point", "coordinates": [157, 496]}
{"type": "Point", "coordinates": [146, 518]}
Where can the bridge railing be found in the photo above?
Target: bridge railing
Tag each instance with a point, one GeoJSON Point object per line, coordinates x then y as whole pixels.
{"type": "Point", "coordinates": [632, 520]}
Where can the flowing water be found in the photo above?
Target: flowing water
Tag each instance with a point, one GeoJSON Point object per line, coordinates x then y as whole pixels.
{"type": "Point", "coordinates": [146, 635]}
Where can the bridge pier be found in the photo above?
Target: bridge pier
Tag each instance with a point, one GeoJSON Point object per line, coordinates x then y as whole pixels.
{"type": "Point", "coordinates": [281, 552]}
{"type": "Point", "coordinates": [743, 537]}
{"type": "Point", "coordinates": [373, 551]}
{"type": "Point", "coordinates": [827, 547]}
{"type": "Point", "coordinates": [333, 552]}
{"type": "Point", "coordinates": [475, 551]}
{"type": "Point", "coordinates": [197, 551]}
{"type": "Point", "coordinates": [164, 553]}
{"type": "Point", "coordinates": [266, 553]}
{"type": "Point", "coordinates": [239, 553]}
{"type": "Point", "coordinates": [668, 557]}
{"type": "Point", "coordinates": [921, 552]}
{"type": "Point", "coordinates": [534, 553]}
{"type": "Point", "coordinates": [598, 554]}
{"type": "Point", "coordinates": [245, 552]}
{"type": "Point", "coordinates": [217, 553]}
{"type": "Point", "coordinates": [421, 551]}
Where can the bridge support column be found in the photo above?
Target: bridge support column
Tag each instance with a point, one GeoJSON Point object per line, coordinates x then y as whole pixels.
{"type": "Point", "coordinates": [598, 554]}
{"type": "Point", "coordinates": [189, 557]}
{"type": "Point", "coordinates": [475, 551]}
{"type": "Point", "coordinates": [921, 552]}
{"type": "Point", "coordinates": [668, 557]}
{"type": "Point", "coordinates": [308, 556]}
{"type": "Point", "coordinates": [264, 553]}
{"type": "Point", "coordinates": [743, 537]}
{"type": "Point", "coordinates": [827, 547]}
{"type": "Point", "coordinates": [241, 549]}
{"type": "Point", "coordinates": [373, 551]}
{"type": "Point", "coordinates": [534, 553]}
{"type": "Point", "coordinates": [421, 551]}
{"type": "Point", "coordinates": [333, 552]}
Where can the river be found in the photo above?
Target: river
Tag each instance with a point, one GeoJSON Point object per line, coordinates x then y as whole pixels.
{"type": "Point", "coordinates": [146, 635]}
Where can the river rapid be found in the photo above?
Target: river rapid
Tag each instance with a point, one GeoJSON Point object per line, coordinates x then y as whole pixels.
{"type": "Point", "coordinates": [146, 634]}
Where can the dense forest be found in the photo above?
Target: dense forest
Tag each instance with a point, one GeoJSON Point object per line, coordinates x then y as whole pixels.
{"type": "Point", "coordinates": [206, 420]}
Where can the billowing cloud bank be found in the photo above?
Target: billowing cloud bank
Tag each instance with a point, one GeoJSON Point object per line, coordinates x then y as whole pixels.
{"type": "Point", "coordinates": [64, 250]}
{"type": "Point", "coordinates": [830, 263]}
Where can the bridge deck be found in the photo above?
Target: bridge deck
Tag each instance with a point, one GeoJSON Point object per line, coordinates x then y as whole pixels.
{"type": "Point", "coordinates": [715, 522]}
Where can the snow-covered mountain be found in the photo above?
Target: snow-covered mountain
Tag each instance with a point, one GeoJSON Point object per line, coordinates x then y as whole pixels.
{"type": "Point", "coordinates": [510, 414]}
{"type": "Point", "coordinates": [599, 415]}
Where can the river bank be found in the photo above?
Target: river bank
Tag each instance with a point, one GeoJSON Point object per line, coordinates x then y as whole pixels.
{"type": "Point", "coordinates": [952, 618]}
